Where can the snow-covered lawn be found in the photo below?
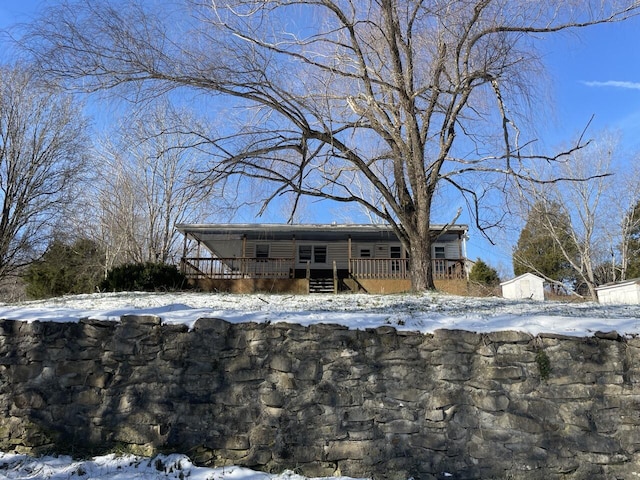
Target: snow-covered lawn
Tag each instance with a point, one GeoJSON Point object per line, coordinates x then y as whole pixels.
{"type": "Point", "coordinates": [423, 312]}
{"type": "Point", "coordinates": [420, 312]}
{"type": "Point", "coordinates": [126, 467]}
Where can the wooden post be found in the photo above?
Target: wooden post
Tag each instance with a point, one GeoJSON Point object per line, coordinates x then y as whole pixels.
{"type": "Point", "coordinates": [349, 254]}
{"type": "Point", "coordinates": [335, 277]}
{"type": "Point", "coordinates": [293, 256]}
{"type": "Point", "coordinates": [183, 264]}
{"type": "Point", "coordinates": [198, 260]}
{"type": "Point", "coordinates": [244, 267]}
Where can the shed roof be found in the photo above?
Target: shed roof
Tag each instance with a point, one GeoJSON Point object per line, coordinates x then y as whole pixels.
{"type": "Point", "coordinates": [623, 283]}
{"type": "Point", "coordinates": [520, 277]}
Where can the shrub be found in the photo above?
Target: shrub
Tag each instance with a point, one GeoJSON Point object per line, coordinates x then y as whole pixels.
{"type": "Point", "coordinates": [65, 269]}
{"type": "Point", "coordinates": [148, 277]}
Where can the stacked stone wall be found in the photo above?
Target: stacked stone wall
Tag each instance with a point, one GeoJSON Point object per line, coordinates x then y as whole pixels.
{"type": "Point", "coordinates": [325, 400]}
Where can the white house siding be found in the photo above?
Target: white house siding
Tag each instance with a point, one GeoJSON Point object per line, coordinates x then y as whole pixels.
{"type": "Point", "coordinates": [340, 253]}
{"type": "Point", "coordinates": [357, 247]}
{"type": "Point", "coordinates": [276, 249]}
{"type": "Point", "coordinates": [283, 250]}
{"type": "Point", "coordinates": [621, 293]}
{"type": "Point", "coordinates": [377, 250]}
{"type": "Point", "coordinates": [337, 252]}
{"type": "Point", "coordinates": [452, 251]}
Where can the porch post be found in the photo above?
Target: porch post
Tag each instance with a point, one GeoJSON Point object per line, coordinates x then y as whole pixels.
{"type": "Point", "coordinates": [462, 256]}
{"type": "Point", "coordinates": [293, 256]}
{"type": "Point", "coordinates": [244, 246]}
{"type": "Point", "coordinates": [183, 266]}
{"type": "Point", "coordinates": [349, 254]}
{"type": "Point", "coordinates": [199, 255]}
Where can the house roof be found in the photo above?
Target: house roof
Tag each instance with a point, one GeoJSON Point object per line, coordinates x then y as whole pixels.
{"type": "Point", "coordinates": [315, 232]}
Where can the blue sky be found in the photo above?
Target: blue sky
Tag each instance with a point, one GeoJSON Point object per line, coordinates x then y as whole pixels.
{"type": "Point", "coordinates": [12, 11]}
{"type": "Point", "coordinates": [594, 72]}
{"type": "Point", "coordinates": [598, 73]}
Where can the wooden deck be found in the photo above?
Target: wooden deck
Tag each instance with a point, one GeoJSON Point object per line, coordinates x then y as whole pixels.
{"type": "Point", "coordinates": [359, 268]}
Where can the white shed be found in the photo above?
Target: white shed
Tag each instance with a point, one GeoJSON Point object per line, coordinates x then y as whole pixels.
{"type": "Point", "coordinates": [626, 292]}
{"type": "Point", "coordinates": [527, 285]}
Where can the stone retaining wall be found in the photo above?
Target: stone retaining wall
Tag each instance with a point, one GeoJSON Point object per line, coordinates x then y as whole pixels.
{"type": "Point", "coordinates": [325, 400]}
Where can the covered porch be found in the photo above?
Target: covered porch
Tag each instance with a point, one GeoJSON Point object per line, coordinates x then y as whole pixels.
{"type": "Point", "coordinates": [310, 258]}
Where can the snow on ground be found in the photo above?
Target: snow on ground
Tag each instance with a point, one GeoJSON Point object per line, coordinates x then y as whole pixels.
{"type": "Point", "coordinates": [417, 312]}
{"type": "Point", "coordinates": [127, 467]}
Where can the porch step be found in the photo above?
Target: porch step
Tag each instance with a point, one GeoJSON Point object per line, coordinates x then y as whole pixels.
{"type": "Point", "coordinates": [321, 285]}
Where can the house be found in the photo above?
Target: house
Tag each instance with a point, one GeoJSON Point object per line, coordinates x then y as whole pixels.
{"type": "Point", "coordinates": [527, 285]}
{"type": "Point", "coordinates": [624, 292]}
{"type": "Point", "coordinates": [312, 258]}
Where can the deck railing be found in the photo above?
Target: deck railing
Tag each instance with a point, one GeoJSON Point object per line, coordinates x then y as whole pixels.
{"type": "Point", "coordinates": [243, 267]}
{"type": "Point", "coordinates": [443, 269]}
{"type": "Point", "coordinates": [379, 267]}
{"type": "Point", "coordinates": [369, 268]}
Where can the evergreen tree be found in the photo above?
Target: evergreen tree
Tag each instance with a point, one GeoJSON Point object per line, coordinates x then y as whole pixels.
{"type": "Point", "coordinates": [546, 244]}
{"type": "Point", "coordinates": [484, 274]}
{"type": "Point", "coordinates": [65, 269]}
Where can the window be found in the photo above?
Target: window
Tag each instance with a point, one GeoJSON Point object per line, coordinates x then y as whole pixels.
{"type": "Point", "coordinates": [312, 253]}
{"type": "Point", "coordinates": [304, 253]}
{"type": "Point", "coordinates": [365, 253]}
{"type": "Point", "coordinates": [320, 254]}
{"type": "Point", "coordinates": [395, 252]}
{"type": "Point", "coordinates": [262, 250]}
{"type": "Point", "coordinates": [439, 252]}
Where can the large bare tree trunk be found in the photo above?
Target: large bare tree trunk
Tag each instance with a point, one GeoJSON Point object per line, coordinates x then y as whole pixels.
{"type": "Point", "coordinates": [421, 265]}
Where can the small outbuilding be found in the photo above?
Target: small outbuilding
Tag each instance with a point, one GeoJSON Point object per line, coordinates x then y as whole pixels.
{"type": "Point", "coordinates": [625, 292]}
{"type": "Point", "coordinates": [527, 285]}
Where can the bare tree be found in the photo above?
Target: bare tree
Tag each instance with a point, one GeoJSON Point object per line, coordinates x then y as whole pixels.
{"type": "Point", "coordinates": [43, 145]}
{"type": "Point", "coordinates": [624, 204]}
{"type": "Point", "coordinates": [145, 187]}
{"type": "Point", "coordinates": [412, 97]}
{"type": "Point", "coordinates": [583, 239]}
